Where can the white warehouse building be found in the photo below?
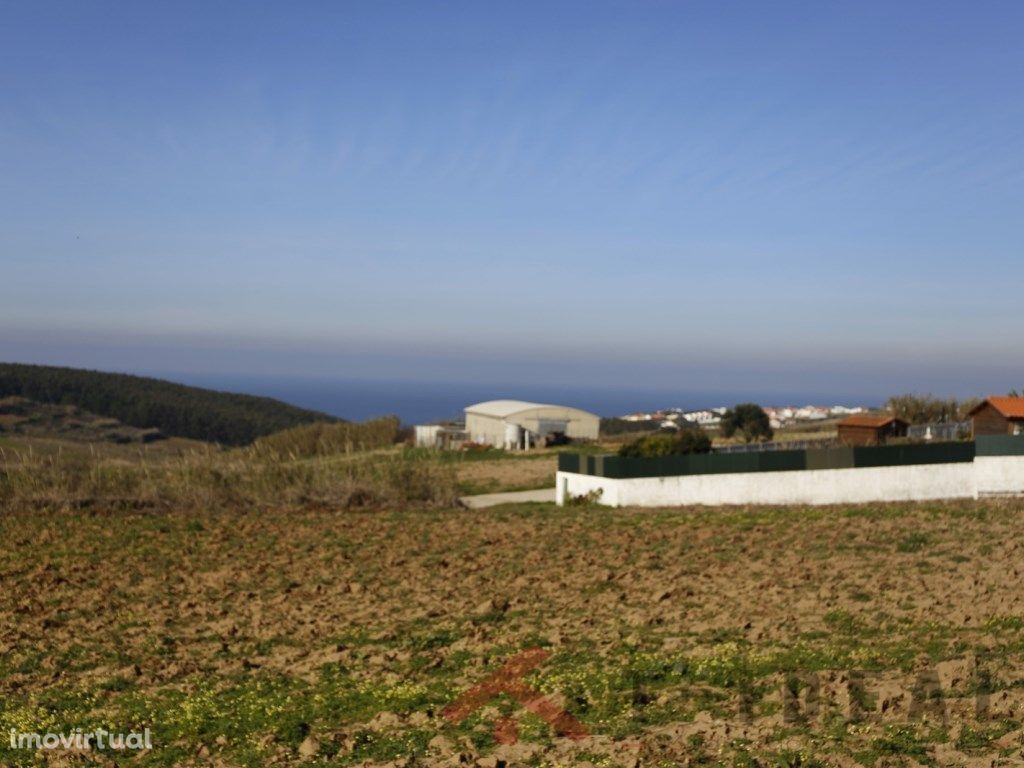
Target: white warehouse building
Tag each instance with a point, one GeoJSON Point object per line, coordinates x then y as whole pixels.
{"type": "Point", "coordinates": [518, 424]}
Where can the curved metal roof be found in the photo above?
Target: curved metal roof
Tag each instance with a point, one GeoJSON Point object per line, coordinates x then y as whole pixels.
{"type": "Point", "coordinates": [502, 409]}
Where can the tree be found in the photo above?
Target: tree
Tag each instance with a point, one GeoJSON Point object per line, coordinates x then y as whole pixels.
{"type": "Point", "coordinates": [927, 409]}
{"type": "Point", "coordinates": [749, 421]}
{"type": "Point", "coordinates": [966, 406]}
{"type": "Point", "coordinates": [685, 441]}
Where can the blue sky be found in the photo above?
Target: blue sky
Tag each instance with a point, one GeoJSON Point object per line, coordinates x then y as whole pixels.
{"type": "Point", "coordinates": [618, 194]}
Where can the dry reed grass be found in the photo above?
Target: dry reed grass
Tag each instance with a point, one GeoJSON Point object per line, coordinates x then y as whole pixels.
{"type": "Point", "coordinates": [211, 478]}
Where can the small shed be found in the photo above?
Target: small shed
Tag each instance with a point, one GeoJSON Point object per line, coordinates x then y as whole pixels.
{"type": "Point", "coordinates": [870, 429]}
{"type": "Point", "coordinates": [518, 424]}
{"type": "Point", "coordinates": [427, 435]}
{"type": "Point", "coordinates": [998, 416]}
{"type": "Point", "coordinates": [440, 436]}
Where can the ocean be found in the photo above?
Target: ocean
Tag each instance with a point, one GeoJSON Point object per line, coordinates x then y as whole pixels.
{"type": "Point", "coordinates": [427, 401]}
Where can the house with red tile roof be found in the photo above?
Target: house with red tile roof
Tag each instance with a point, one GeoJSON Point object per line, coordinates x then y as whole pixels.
{"type": "Point", "coordinates": [870, 428]}
{"type": "Point", "coordinates": [998, 416]}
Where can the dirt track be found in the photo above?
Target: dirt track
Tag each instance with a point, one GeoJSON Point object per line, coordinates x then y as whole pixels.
{"type": "Point", "coordinates": [485, 500]}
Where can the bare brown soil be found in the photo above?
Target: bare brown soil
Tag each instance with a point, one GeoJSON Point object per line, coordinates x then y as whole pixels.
{"type": "Point", "coordinates": [675, 636]}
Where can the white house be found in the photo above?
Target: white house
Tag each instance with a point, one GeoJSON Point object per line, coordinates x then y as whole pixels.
{"type": "Point", "coordinates": [705, 418]}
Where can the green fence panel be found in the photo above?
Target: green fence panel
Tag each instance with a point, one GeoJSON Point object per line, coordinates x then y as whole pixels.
{"type": "Point", "coordinates": [694, 464]}
{"type": "Point", "coordinates": [1000, 445]}
{"type": "Point", "coordinates": [624, 467]}
{"type": "Point", "coordinates": [655, 466]}
{"type": "Point", "coordinates": [830, 458]}
{"type": "Point", "coordinates": [782, 461]}
{"type": "Point", "coordinates": [710, 464]}
{"type": "Point", "coordinates": [899, 455]}
{"type": "Point", "coordinates": [632, 466]}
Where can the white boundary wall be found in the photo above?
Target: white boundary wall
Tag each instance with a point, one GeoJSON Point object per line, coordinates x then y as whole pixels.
{"type": "Point", "coordinates": [985, 476]}
{"type": "Point", "coordinates": [999, 476]}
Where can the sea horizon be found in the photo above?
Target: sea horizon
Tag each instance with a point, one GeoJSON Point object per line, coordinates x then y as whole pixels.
{"type": "Point", "coordinates": [420, 402]}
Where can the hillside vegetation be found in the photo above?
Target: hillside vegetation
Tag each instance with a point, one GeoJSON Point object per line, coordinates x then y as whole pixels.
{"type": "Point", "coordinates": [146, 403]}
{"type": "Point", "coordinates": [330, 438]}
{"type": "Point", "coordinates": [21, 417]}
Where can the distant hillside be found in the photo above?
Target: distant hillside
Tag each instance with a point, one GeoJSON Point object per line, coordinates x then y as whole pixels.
{"type": "Point", "coordinates": [174, 409]}
{"type": "Point", "coordinates": [20, 416]}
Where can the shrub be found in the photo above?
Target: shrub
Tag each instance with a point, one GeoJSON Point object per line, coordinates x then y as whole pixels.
{"type": "Point", "coordinates": [585, 499]}
{"type": "Point", "coordinates": [685, 441]}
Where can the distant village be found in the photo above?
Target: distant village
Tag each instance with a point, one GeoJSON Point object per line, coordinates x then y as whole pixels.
{"type": "Point", "coordinates": [521, 425]}
{"type": "Point", "coordinates": [672, 418]}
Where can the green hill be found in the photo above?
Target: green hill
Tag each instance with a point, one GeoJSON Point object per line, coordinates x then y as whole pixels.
{"type": "Point", "coordinates": [139, 401]}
